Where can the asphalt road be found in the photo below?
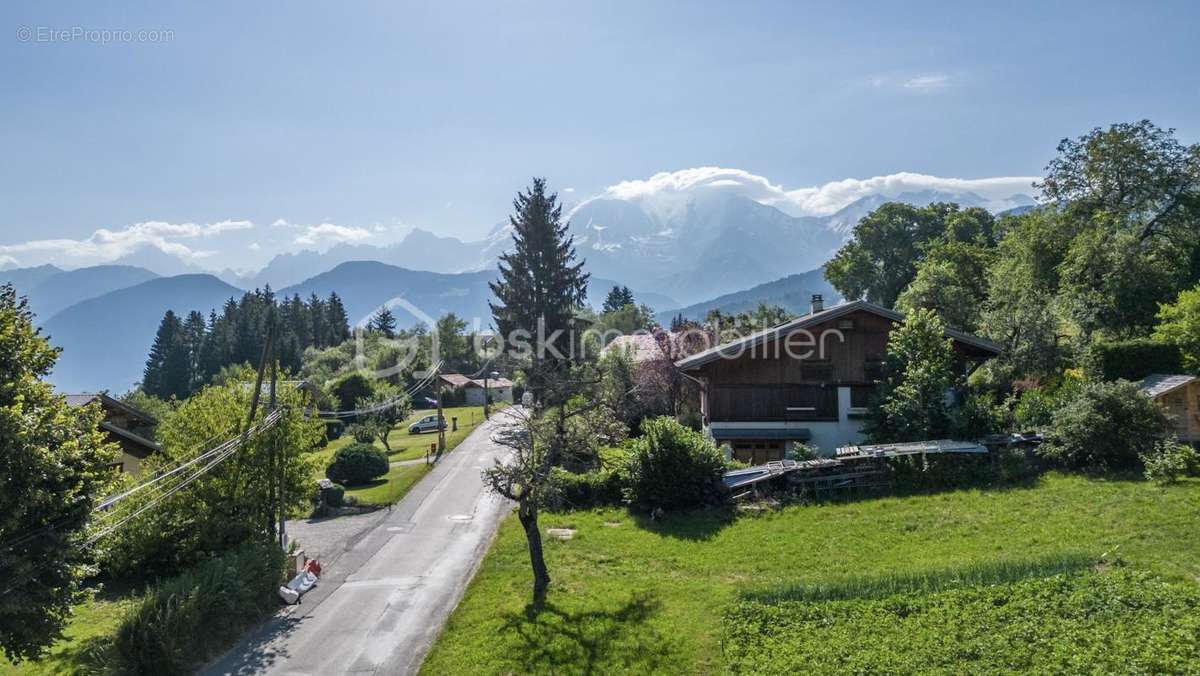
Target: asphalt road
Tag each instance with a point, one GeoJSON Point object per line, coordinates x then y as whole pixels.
{"type": "Point", "coordinates": [383, 603]}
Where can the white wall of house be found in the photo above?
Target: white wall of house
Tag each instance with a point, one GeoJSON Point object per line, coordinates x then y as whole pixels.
{"type": "Point", "coordinates": [827, 436]}
{"type": "Point", "coordinates": [474, 395]}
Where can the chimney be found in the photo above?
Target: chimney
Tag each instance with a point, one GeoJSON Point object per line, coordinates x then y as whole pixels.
{"type": "Point", "coordinates": [818, 303]}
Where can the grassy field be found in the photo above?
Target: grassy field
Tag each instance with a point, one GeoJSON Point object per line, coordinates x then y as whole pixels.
{"type": "Point", "coordinates": [630, 595]}
{"type": "Point", "coordinates": [405, 446]}
{"type": "Point", "coordinates": [93, 622]}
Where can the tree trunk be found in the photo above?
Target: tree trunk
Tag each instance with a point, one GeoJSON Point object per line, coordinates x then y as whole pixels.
{"type": "Point", "coordinates": [528, 515]}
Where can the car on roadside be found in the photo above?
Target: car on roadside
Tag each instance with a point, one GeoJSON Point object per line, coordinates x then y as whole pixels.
{"type": "Point", "coordinates": [427, 424]}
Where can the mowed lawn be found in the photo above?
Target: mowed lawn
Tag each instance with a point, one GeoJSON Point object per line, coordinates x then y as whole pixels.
{"type": "Point", "coordinates": [634, 596]}
{"type": "Point", "coordinates": [404, 447]}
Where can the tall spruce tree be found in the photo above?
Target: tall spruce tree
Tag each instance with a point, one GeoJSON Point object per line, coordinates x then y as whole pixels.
{"type": "Point", "coordinates": [336, 318]}
{"type": "Point", "coordinates": [540, 286]}
{"type": "Point", "coordinates": [618, 298]}
{"type": "Point", "coordinates": [318, 321]}
{"type": "Point", "coordinates": [384, 322]}
{"type": "Point", "coordinates": [195, 333]}
{"type": "Point", "coordinates": [167, 374]}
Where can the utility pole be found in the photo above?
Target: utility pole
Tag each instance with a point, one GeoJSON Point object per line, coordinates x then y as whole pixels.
{"type": "Point", "coordinates": [441, 421]}
{"type": "Point", "coordinates": [268, 351]}
{"type": "Point", "coordinates": [276, 452]}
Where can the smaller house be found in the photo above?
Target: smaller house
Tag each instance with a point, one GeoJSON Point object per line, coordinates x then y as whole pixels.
{"type": "Point", "coordinates": [1180, 395]}
{"type": "Point", "coordinates": [126, 426]}
{"type": "Point", "coordinates": [472, 389]}
{"type": "Point", "coordinates": [640, 347]}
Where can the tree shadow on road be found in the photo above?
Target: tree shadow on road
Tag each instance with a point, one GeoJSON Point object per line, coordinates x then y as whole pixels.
{"type": "Point", "coordinates": [589, 641]}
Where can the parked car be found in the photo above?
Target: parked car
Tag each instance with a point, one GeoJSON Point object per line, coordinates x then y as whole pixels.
{"type": "Point", "coordinates": [427, 424]}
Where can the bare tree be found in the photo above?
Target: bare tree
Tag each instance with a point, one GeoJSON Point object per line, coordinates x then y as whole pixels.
{"type": "Point", "coordinates": [540, 440]}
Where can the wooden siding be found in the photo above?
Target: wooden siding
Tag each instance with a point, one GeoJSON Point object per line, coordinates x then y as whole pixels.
{"type": "Point", "coordinates": [1184, 406]}
{"type": "Point", "coordinates": [773, 402]}
{"type": "Point", "coordinates": [764, 381]}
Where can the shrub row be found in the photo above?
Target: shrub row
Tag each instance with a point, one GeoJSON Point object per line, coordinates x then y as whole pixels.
{"type": "Point", "coordinates": [184, 620]}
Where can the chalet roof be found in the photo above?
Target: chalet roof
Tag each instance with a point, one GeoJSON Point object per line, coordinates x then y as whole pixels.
{"type": "Point", "coordinates": [1158, 384]}
{"type": "Point", "coordinates": [83, 399]}
{"type": "Point", "coordinates": [459, 380]}
{"type": "Point", "coordinates": [736, 347]}
{"type": "Point", "coordinates": [455, 379]}
{"type": "Point", "coordinates": [491, 382]}
{"type": "Point", "coordinates": [136, 439]}
{"type": "Point", "coordinates": [641, 347]}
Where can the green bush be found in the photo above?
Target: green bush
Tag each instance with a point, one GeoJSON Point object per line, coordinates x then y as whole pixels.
{"type": "Point", "coordinates": [349, 389]}
{"type": "Point", "coordinates": [1131, 359]}
{"type": "Point", "coordinates": [1035, 407]}
{"type": "Point", "coordinates": [1118, 621]}
{"type": "Point", "coordinates": [571, 490]}
{"type": "Point", "coordinates": [335, 495]}
{"type": "Point", "coordinates": [1105, 425]}
{"type": "Point", "coordinates": [671, 466]}
{"type": "Point", "coordinates": [1170, 461]}
{"type": "Point", "coordinates": [800, 452]}
{"type": "Point", "coordinates": [980, 415]}
{"type": "Point", "coordinates": [357, 464]}
{"type": "Point", "coordinates": [181, 622]}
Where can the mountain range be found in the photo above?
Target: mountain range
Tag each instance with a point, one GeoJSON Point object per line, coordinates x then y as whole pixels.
{"type": "Point", "coordinates": [712, 249]}
{"type": "Point", "coordinates": [794, 293]}
{"type": "Point", "coordinates": [705, 243]}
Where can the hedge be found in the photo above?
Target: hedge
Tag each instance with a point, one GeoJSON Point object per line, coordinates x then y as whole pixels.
{"type": "Point", "coordinates": [1131, 359]}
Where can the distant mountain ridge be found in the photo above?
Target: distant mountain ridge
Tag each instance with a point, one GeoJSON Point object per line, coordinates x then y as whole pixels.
{"type": "Point", "coordinates": [709, 243]}
{"type": "Point", "coordinates": [105, 340]}
{"type": "Point", "coordinates": [794, 293]}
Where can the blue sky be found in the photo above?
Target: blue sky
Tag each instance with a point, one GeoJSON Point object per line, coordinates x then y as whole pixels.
{"type": "Point", "coordinates": [376, 117]}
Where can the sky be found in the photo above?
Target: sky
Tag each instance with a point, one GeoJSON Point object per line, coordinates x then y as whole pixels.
{"type": "Point", "coordinates": [238, 130]}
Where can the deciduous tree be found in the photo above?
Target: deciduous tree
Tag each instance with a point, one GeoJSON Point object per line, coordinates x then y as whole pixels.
{"type": "Point", "coordinates": [54, 463]}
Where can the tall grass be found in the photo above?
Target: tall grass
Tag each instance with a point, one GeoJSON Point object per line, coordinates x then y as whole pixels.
{"type": "Point", "coordinates": [879, 586]}
{"type": "Point", "coordinates": [184, 620]}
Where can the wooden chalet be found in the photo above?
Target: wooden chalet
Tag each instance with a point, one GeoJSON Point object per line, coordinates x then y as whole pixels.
{"type": "Point", "coordinates": [1180, 395]}
{"type": "Point", "coordinates": [126, 426]}
{"type": "Point", "coordinates": [808, 380]}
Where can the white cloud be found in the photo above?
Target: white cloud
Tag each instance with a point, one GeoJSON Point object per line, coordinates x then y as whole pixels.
{"type": "Point", "coordinates": [927, 82]}
{"type": "Point", "coordinates": [666, 193]}
{"type": "Point", "coordinates": [106, 245]}
{"type": "Point", "coordinates": [329, 232]}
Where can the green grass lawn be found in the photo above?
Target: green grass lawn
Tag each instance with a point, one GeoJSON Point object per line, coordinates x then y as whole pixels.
{"type": "Point", "coordinates": [92, 624]}
{"type": "Point", "coordinates": [633, 596]}
{"type": "Point", "coordinates": [391, 487]}
{"type": "Point", "coordinates": [404, 446]}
